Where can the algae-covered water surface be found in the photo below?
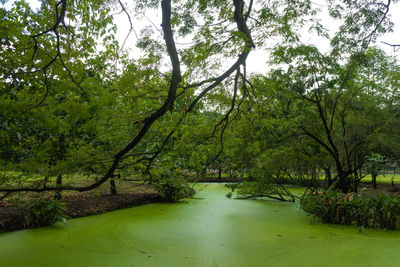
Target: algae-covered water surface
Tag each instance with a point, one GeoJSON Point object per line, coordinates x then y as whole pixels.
{"type": "Point", "coordinates": [209, 230]}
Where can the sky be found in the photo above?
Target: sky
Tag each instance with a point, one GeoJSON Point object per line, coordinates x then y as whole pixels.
{"type": "Point", "coordinates": [257, 60]}
{"type": "Point", "coordinates": [332, 26]}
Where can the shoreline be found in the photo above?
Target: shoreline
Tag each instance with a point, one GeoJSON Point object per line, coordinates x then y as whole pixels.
{"type": "Point", "coordinates": [87, 204]}
{"type": "Point", "coordinates": [12, 217]}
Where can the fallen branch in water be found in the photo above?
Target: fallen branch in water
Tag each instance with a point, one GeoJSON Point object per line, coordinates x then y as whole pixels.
{"type": "Point", "coordinates": [280, 198]}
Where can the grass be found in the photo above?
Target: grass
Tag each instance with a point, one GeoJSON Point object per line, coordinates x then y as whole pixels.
{"type": "Point", "coordinates": [381, 178]}
{"type": "Point", "coordinates": [387, 178]}
{"type": "Point", "coordinates": [123, 186]}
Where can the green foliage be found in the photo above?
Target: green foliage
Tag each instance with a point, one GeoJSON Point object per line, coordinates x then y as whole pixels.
{"type": "Point", "coordinates": [362, 210]}
{"type": "Point", "coordinates": [173, 189]}
{"type": "Point", "coordinates": [232, 187]}
{"type": "Point", "coordinates": [259, 188]}
{"type": "Point", "coordinates": [44, 212]}
{"type": "Point", "coordinates": [375, 162]}
{"type": "Point", "coordinates": [71, 97]}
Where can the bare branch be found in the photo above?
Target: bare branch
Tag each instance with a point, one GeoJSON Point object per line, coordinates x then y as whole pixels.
{"type": "Point", "coordinates": [131, 29]}
{"type": "Point", "coordinates": [396, 47]}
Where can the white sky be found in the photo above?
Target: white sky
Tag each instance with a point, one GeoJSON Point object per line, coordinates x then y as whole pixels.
{"type": "Point", "coordinates": [256, 61]}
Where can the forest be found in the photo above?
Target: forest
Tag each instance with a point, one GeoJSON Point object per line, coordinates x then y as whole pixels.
{"type": "Point", "coordinates": [111, 104]}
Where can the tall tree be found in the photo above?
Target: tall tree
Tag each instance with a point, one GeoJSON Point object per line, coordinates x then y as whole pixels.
{"type": "Point", "coordinates": [73, 43]}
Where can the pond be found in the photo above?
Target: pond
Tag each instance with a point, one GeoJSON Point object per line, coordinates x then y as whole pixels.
{"type": "Point", "coordinates": [210, 230]}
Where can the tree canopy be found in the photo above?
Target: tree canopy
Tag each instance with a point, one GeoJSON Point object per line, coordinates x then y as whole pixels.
{"type": "Point", "coordinates": [76, 100]}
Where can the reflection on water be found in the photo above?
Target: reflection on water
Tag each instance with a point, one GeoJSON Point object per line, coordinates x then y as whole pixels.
{"type": "Point", "coordinates": [209, 230]}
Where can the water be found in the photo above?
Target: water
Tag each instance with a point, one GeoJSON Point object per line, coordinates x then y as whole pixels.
{"type": "Point", "coordinates": [208, 231]}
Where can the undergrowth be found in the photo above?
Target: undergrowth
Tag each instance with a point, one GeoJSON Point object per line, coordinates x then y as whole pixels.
{"type": "Point", "coordinates": [173, 190]}
{"type": "Point", "coordinates": [44, 212]}
{"type": "Point", "coordinates": [360, 209]}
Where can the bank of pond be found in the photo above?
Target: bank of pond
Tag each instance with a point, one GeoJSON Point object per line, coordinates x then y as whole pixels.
{"type": "Point", "coordinates": [207, 230]}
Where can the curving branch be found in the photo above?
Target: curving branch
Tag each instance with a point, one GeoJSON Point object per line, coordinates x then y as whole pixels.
{"type": "Point", "coordinates": [249, 44]}
{"type": "Point", "coordinates": [174, 84]}
{"type": "Point", "coordinates": [59, 19]}
{"type": "Point", "coordinates": [147, 123]}
{"type": "Point", "coordinates": [366, 40]}
{"type": "Point", "coordinates": [224, 122]}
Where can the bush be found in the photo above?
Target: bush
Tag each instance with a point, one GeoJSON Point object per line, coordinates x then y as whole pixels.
{"type": "Point", "coordinates": [44, 212]}
{"type": "Point", "coordinates": [362, 210]}
{"type": "Point", "coordinates": [260, 188]}
{"type": "Point", "coordinates": [173, 190]}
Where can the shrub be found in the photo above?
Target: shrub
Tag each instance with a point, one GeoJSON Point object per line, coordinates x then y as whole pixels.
{"type": "Point", "coordinates": [44, 212]}
{"type": "Point", "coordinates": [260, 188]}
{"type": "Point", "coordinates": [173, 190]}
{"type": "Point", "coordinates": [362, 210]}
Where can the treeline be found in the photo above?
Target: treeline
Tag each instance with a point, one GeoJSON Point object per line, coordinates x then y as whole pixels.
{"type": "Point", "coordinates": [75, 102]}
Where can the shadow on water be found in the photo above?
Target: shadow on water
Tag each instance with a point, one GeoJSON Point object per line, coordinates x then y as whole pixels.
{"type": "Point", "coordinates": [209, 230]}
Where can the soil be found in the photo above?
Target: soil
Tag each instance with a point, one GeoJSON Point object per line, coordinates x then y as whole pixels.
{"type": "Point", "coordinates": [381, 188]}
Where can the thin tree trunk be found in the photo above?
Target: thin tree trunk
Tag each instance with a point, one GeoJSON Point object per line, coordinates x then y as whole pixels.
{"type": "Point", "coordinates": [328, 176]}
{"type": "Point", "coordinates": [113, 188]}
{"type": "Point", "coordinates": [355, 183]}
{"type": "Point", "coordinates": [374, 175]}
{"type": "Point", "coordinates": [356, 179]}
{"type": "Point", "coordinates": [57, 194]}
{"type": "Point", "coordinates": [60, 157]}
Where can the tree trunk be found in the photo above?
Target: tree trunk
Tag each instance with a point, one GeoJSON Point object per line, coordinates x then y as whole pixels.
{"type": "Point", "coordinates": [113, 188]}
{"type": "Point", "coordinates": [219, 173]}
{"type": "Point", "coordinates": [343, 184]}
{"type": "Point", "coordinates": [57, 194]}
{"type": "Point", "coordinates": [328, 176]}
{"type": "Point", "coordinates": [356, 179]}
{"type": "Point", "coordinates": [374, 175]}
{"type": "Point", "coordinates": [60, 157]}
{"type": "Point", "coordinates": [355, 184]}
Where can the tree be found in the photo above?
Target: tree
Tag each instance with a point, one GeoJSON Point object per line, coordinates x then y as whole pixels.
{"type": "Point", "coordinates": [69, 47]}
{"type": "Point", "coordinates": [305, 119]}
{"type": "Point", "coordinates": [48, 43]}
{"type": "Point", "coordinates": [375, 163]}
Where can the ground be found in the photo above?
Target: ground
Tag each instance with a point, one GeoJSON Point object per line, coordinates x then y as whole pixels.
{"type": "Point", "coordinates": [382, 188]}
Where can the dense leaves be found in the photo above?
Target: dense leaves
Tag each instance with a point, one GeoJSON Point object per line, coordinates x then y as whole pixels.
{"type": "Point", "coordinates": [362, 210]}
{"type": "Point", "coordinates": [74, 100]}
{"type": "Point", "coordinates": [44, 213]}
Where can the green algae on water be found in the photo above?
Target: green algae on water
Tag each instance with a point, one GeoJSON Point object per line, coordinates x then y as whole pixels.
{"type": "Point", "coordinates": [209, 230]}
